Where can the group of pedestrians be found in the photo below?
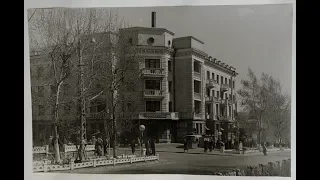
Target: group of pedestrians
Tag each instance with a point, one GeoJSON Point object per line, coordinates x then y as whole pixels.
{"type": "Point", "coordinates": [149, 146]}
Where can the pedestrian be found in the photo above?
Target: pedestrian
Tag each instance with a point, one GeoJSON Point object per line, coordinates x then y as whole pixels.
{"type": "Point", "coordinates": [210, 145]}
{"type": "Point", "coordinates": [105, 145]}
{"type": "Point", "coordinates": [125, 142]}
{"type": "Point", "coordinates": [185, 146]}
{"type": "Point", "coordinates": [98, 147]}
{"type": "Point", "coordinates": [264, 147]}
{"type": "Point", "coordinates": [153, 147]}
{"type": "Point", "coordinates": [205, 146]}
{"type": "Point", "coordinates": [147, 147]}
{"type": "Point", "coordinates": [133, 146]}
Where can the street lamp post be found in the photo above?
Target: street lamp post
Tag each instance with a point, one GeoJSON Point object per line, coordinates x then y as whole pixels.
{"type": "Point", "coordinates": [141, 128]}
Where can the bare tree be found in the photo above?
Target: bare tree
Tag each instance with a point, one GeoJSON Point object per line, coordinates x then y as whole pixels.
{"type": "Point", "coordinates": [64, 34]}
{"type": "Point", "coordinates": [254, 99]}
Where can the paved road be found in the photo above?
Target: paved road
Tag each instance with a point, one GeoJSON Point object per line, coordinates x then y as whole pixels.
{"type": "Point", "coordinates": [174, 161]}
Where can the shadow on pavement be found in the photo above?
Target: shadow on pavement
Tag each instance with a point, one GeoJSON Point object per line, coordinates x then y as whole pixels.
{"type": "Point", "coordinates": [179, 152]}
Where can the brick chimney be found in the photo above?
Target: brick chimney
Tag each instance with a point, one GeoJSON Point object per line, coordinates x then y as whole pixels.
{"type": "Point", "coordinates": [153, 19]}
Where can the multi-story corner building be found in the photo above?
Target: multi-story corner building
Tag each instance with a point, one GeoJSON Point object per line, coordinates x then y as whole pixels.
{"type": "Point", "coordinates": [182, 90]}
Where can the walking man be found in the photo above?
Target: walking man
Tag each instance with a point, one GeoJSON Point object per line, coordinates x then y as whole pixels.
{"type": "Point", "coordinates": [185, 146]}
{"type": "Point", "coordinates": [133, 146]}
{"type": "Point", "coordinates": [153, 147]}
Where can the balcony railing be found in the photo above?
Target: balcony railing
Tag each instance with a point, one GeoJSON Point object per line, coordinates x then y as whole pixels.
{"type": "Point", "coordinates": [212, 116]}
{"type": "Point", "coordinates": [224, 87]}
{"type": "Point", "coordinates": [211, 99]}
{"type": "Point", "coordinates": [153, 93]}
{"type": "Point", "coordinates": [100, 115]}
{"type": "Point", "coordinates": [225, 118]}
{"type": "Point", "coordinates": [197, 74]}
{"type": "Point", "coordinates": [159, 115]}
{"type": "Point", "coordinates": [153, 72]}
{"type": "Point", "coordinates": [211, 83]}
{"type": "Point", "coordinates": [197, 96]}
{"type": "Point", "coordinates": [191, 115]}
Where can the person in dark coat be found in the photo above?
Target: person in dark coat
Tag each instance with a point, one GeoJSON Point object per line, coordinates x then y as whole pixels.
{"type": "Point", "coordinates": [210, 145]}
{"type": "Point", "coordinates": [153, 147]}
{"type": "Point", "coordinates": [133, 146]}
{"type": "Point", "coordinates": [205, 146]}
{"type": "Point", "coordinates": [185, 146]}
{"type": "Point", "coordinates": [98, 147]}
{"type": "Point", "coordinates": [147, 147]}
{"type": "Point", "coordinates": [105, 146]}
{"type": "Point", "coordinates": [264, 147]}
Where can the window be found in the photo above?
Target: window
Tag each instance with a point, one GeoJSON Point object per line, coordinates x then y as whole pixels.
{"type": "Point", "coordinates": [101, 107]}
{"type": "Point", "coordinates": [230, 82]}
{"type": "Point", "coordinates": [230, 97]}
{"type": "Point", "coordinates": [197, 105]}
{"type": "Point", "coordinates": [209, 108]}
{"type": "Point", "coordinates": [221, 79]}
{"type": "Point", "coordinates": [234, 98]}
{"type": "Point", "coordinates": [169, 66]}
{"type": "Point", "coordinates": [197, 128]}
{"type": "Point", "coordinates": [152, 63]}
{"type": "Point", "coordinates": [153, 84]}
{"type": "Point", "coordinates": [218, 79]}
{"type": "Point", "coordinates": [226, 80]}
{"type": "Point", "coordinates": [208, 74]}
{"type": "Point", "coordinates": [213, 76]}
{"type": "Point", "coordinates": [229, 110]}
{"type": "Point", "coordinates": [217, 109]}
{"type": "Point", "coordinates": [208, 92]}
{"type": "Point", "coordinates": [213, 93]}
{"type": "Point", "coordinates": [169, 43]}
{"type": "Point", "coordinates": [152, 106]}
{"type": "Point", "coordinates": [218, 95]}
{"type": "Point", "coordinates": [197, 86]}
{"type": "Point", "coordinates": [233, 84]}
{"type": "Point", "coordinates": [170, 106]}
{"type": "Point", "coordinates": [40, 91]}
{"type": "Point", "coordinates": [41, 110]}
{"type": "Point", "coordinates": [170, 86]}
{"type": "Point", "coordinates": [196, 67]}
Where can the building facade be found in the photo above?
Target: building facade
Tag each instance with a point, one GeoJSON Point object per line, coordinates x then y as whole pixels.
{"type": "Point", "coordinates": [182, 90]}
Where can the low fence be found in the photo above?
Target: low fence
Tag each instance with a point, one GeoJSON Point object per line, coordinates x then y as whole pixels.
{"type": "Point", "coordinates": [277, 168]}
{"type": "Point", "coordinates": [46, 166]}
{"type": "Point", "coordinates": [253, 151]}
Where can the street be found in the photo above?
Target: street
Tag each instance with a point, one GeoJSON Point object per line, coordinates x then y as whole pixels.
{"type": "Point", "coordinates": [196, 162]}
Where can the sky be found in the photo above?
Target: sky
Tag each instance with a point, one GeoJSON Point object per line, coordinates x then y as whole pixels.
{"type": "Point", "coordinates": [255, 36]}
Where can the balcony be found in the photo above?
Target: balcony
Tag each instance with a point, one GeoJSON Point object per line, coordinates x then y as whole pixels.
{"type": "Point", "coordinates": [225, 118]}
{"type": "Point", "coordinates": [101, 115]}
{"type": "Point", "coordinates": [197, 75]}
{"type": "Point", "coordinates": [224, 87]}
{"type": "Point", "coordinates": [212, 117]}
{"type": "Point", "coordinates": [153, 72]}
{"type": "Point", "coordinates": [211, 99]}
{"type": "Point", "coordinates": [191, 115]}
{"type": "Point", "coordinates": [152, 93]}
{"type": "Point", "coordinates": [159, 115]}
{"type": "Point", "coordinates": [211, 83]}
{"type": "Point", "coordinates": [197, 96]}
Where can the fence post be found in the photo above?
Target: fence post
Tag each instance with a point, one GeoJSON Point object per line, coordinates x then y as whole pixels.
{"type": "Point", "coordinates": [71, 164]}
{"type": "Point", "coordinates": [130, 160]}
{"type": "Point", "coordinates": [114, 161]}
{"type": "Point", "coordinates": [47, 150]}
{"type": "Point", "coordinates": [45, 165]}
{"type": "Point", "coordinates": [158, 156]}
{"type": "Point", "coordinates": [145, 159]}
{"type": "Point", "coordinates": [94, 162]}
{"type": "Point", "coordinates": [65, 151]}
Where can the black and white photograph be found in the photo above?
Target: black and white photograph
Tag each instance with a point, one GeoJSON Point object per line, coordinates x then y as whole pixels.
{"type": "Point", "coordinates": [190, 90]}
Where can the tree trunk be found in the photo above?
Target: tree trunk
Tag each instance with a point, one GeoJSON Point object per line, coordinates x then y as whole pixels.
{"type": "Point", "coordinates": [114, 136]}
{"type": "Point", "coordinates": [56, 116]}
